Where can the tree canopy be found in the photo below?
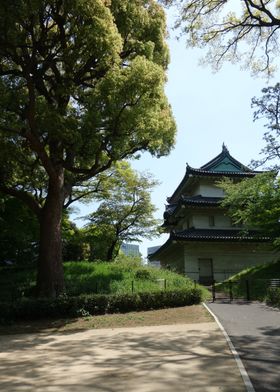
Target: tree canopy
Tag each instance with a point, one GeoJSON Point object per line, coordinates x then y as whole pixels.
{"type": "Point", "coordinates": [81, 86]}
{"type": "Point", "coordinates": [246, 31]}
{"type": "Point", "coordinates": [255, 203]}
{"type": "Point", "coordinates": [125, 213]}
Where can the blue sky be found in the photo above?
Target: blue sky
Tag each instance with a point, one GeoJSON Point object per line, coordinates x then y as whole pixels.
{"type": "Point", "coordinates": [210, 109]}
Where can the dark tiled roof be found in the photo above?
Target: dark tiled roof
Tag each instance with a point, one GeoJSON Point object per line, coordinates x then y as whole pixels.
{"type": "Point", "coordinates": [211, 235]}
{"type": "Point", "coordinates": [201, 200]}
{"type": "Point", "coordinates": [213, 173]}
{"type": "Point", "coordinates": [211, 165]}
{"type": "Point", "coordinates": [210, 169]}
{"type": "Point", "coordinates": [170, 208]}
{"type": "Point", "coordinates": [218, 235]}
{"type": "Point", "coordinates": [195, 201]}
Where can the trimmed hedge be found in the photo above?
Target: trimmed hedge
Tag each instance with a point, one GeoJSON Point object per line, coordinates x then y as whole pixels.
{"type": "Point", "coordinates": [95, 304]}
{"type": "Point", "coordinates": [273, 296]}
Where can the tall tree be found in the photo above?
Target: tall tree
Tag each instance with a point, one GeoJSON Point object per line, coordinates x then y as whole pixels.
{"type": "Point", "coordinates": [81, 86]}
{"type": "Point", "coordinates": [268, 107]}
{"type": "Point", "coordinates": [246, 31]}
{"type": "Point", "coordinates": [125, 213]}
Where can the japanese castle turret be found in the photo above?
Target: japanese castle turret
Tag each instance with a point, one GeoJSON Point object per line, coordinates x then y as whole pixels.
{"type": "Point", "coordinates": [203, 242]}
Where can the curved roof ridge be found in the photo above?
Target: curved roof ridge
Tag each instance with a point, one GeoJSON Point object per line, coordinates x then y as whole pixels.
{"type": "Point", "coordinates": [223, 165]}
{"type": "Point", "coordinates": [222, 156]}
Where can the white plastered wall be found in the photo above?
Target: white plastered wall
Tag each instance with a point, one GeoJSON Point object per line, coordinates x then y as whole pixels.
{"type": "Point", "coordinates": [207, 189]}
{"type": "Point", "coordinates": [228, 259]}
{"type": "Point", "coordinates": [201, 220]}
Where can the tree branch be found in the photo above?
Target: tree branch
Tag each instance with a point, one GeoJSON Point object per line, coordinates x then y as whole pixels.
{"type": "Point", "coordinates": [23, 196]}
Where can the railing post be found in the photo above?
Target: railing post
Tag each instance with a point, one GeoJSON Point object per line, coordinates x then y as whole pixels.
{"type": "Point", "coordinates": [247, 290]}
{"type": "Point", "coordinates": [213, 291]}
{"type": "Point", "coordinates": [230, 291]}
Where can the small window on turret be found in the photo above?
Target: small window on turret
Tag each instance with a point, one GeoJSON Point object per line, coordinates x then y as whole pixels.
{"type": "Point", "coordinates": [211, 220]}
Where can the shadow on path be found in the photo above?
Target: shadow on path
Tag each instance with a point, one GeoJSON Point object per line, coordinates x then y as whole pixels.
{"type": "Point", "coordinates": [166, 358]}
{"type": "Point", "coordinates": [255, 332]}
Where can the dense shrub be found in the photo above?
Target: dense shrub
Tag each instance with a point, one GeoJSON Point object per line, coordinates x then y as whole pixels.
{"type": "Point", "coordinates": [143, 273]}
{"type": "Point", "coordinates": [273, 296]}
{"type": "Point", "coordinates": [94, 304]}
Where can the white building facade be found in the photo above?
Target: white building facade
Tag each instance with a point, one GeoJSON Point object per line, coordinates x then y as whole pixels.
{"type": "Point", "coordinates": [203, 242]}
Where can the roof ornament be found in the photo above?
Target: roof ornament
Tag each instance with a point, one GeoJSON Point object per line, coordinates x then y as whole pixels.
{"type": "Point", "coordinates": [225, 149]}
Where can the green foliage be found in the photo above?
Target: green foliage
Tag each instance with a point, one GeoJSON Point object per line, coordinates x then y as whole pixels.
{"type": "Point", "coordinates": [125, 213]}
{"type": "Point", "coordinates": [237, 30]}
{"type": "Point", "coordinates": [273, 297]}
{"type": "Point", "coordinates": [74, 241]}
{"type": "Point", "coordinates": [143, 274]}
{"type": "Point", "coordinates": [98, 277]}
{"type": "Point", "coordinates": [94, 304]}
{"type": "Point", "coordinates": [263, 271]}
{"type": "Point", "coordinates": [81, 87]}
{"type": "Point", "coordinates": [259, 278]}
{"type": "Point", "coordinates": [92, 86]}
{"type": "Point", "coordinates": [19, 232]}
{"type": "Point", "coordinates": [255, 203]}
{"type": "Point", "coordinates": [117, 277]}
{"type": "Point", "coordinates": [16, 282]}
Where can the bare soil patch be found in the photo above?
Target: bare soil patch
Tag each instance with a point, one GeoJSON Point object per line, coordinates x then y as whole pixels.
{"type": "Point", "coordinates": [183, 315]}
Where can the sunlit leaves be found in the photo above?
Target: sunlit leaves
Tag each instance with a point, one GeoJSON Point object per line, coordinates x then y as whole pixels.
{"type": "Point", "coordinates": [246, 31]}
{"type": "Point", "coordinates": [255, 202]}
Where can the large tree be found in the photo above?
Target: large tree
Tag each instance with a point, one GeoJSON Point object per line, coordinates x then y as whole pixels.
{"type": "Point", "coordinates": [246, 31]}
{"type": "Point", "coordinates": [125, 213]}
{"type": "Point", "coordinates": [81, 86]}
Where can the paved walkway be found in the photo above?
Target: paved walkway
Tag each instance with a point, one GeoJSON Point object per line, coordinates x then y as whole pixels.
{"type": "Point", "coordinates": [254, 330]}
{"type": "Point", "coordinates": [174, 358]}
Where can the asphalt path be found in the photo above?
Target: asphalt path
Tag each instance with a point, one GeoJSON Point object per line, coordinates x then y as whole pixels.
{"type": "Point", "coordinates": [254, 329]}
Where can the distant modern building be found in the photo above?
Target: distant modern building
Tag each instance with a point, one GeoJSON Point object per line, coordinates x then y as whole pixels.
{"type": "Point", "coordinates": [203, 242]}
{"type": "Point", "coordinates": [130, 249]}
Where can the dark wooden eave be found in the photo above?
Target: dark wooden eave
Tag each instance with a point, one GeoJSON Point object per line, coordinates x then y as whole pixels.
{"type": "Point", "coordinates": [211, 235]}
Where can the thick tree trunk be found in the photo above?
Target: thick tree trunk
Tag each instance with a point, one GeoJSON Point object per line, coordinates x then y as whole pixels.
{"type": "Point", "coordinates": [50, 279]}
{"type": "Point", "coordinates": [110, 252]}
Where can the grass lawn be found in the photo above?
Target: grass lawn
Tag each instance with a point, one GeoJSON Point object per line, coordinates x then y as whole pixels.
{"type": "Point", "coordinates": [258, 278]}
{"type": "Point", "coordinates": [87, 278]}
{"type": "Point", "coordinates": [183, 315]}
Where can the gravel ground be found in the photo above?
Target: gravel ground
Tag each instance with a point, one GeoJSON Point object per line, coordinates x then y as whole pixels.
{"type": "Point", "coordinates": [166, 358]}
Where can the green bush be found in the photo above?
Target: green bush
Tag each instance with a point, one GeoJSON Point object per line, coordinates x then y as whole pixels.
{"type": "Point", "coordinates": [143, 274]}
{"type": "Point", "coordinates": [94, 304]}
{"type": "Point", "coordinates": [273, 296]}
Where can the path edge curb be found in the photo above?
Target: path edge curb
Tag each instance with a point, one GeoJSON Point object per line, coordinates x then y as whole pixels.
{"type": "Point", "coordinates": [246, 379]}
